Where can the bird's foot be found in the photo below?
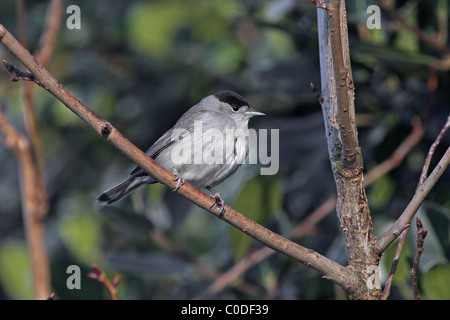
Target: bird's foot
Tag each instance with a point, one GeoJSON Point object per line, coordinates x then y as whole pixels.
{"type": "Point", "coordinates": [218, 200]}
{"type": "Point", "coordinates": [178, 178]}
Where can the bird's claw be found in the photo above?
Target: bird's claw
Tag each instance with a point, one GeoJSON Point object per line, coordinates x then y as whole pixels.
{"type": "Point", "coordinates": [218, 200]}
{"type": "Point", "coordinates": [178, 178]}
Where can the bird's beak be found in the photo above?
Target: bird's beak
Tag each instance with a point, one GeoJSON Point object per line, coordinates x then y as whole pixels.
{"type": "Point", "coordinates": [252, 112]}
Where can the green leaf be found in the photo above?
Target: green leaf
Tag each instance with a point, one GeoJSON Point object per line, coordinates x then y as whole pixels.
{"type": "Point", "coordinates": [405, 39]}
{"type": "Point", "coordinates": [435, 283]}
{"type": "Point", "coordinates": [218, 15]}
{"type": "Point", "coordinates": [152, 25]}
{"type": "Point", "coordinates": [81, 234]}
{"type": "Point", "coordinates": [381, 190]}
{"type": "Point", "coordinates": [258, 200]}
{"type": "Point", "coordinates": [280, 45]}
{"type": "Point", "coordinates": [15, 273]}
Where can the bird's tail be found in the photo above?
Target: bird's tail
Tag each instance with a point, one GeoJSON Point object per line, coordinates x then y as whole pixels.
{"type": "Point", "coordinates": [121, 190]}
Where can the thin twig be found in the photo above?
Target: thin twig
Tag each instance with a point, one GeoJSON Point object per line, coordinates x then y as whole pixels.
{"type": "Point", "coordinates": [399, 154]}
{"type": "Point", "coordinates": [423, 175]}
{"type": "Point", "coordinates": [421, 234]}
{"type": "Point", "coordinates": [48, 38]}
{"type": "Point", "coordinates": [19, 74]}
{"type": "Point", "coordinates": [422, 179]}
{"type": "Point", "coordinates": [404, 220]}
{"type": "Point", "coordinates": [51, 296]}
{"type": "Point", "coordinates": [111, 286]}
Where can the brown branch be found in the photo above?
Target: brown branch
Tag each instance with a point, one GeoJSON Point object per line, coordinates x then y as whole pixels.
{"type": "Point", "coordinates": [342, 276]}
{"type": "Point", "coordinates": [205, 271]}
{"type": "Point", "coordinates": [48, 38]}
{"type": "Point", "coordinates": [111, 286]}
{"type": "Point", "coordinates": [21, 18]}
{"type": "Point", "coordinates": [423, 177]}
{"type": "Point", "coordinates": [399, 154]}
{"type": "Point", "coordinates": [31, 153]}
{"type": "Point", "coordinates": [350, 157]}
{"type": "Point", "coordinates": [338, 109]}
{"type": "Point", "coordinates": [426, 166]}
{"type": "Point", "coordinates": [44, 55]}
{"type": "Point", "coordinates": [31, 210]}
{"type": "Point", "coordinates": [421, 234]}
{"type": "Point", "coordinates": [405, 218]}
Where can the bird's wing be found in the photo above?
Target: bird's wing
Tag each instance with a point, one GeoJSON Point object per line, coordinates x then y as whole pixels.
{"type": "Point", "coordinates": [186, 126]}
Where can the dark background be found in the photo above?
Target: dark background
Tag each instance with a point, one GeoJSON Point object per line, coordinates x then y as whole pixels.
{"type": "Point", "coordinates": [142, 64]}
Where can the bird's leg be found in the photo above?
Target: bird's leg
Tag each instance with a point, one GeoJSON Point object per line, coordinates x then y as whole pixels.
{"type": "Point", "coordinates": [218, 200]}
{"type": "Point", "coordinates": [178, 178]}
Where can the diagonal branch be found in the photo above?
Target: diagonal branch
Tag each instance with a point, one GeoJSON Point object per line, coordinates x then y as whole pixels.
{"type": "Point", "coordinates": [343, 276]}
{"type": "Point", "coordinates": [423, 177]}
{"type": "Point", "coordinates": [404, 220]}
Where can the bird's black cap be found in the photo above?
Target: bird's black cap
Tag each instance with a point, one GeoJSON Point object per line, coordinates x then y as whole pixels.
{"type": "Point", "coordinates": [232, 98]}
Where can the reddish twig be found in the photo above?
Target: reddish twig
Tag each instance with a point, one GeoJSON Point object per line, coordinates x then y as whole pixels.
{"type": "Point", "coordinates": [421, 234]}
{"type": "Point", "coordinates": [423, 175]}
{"type": "Point", "coordinates": [319, 4]}
{"type": "Point", "coordinates": [316, 91]}
{"type": "Point", "coordinates": [19, 74]}
{"type": "Point", "coordinates": [399, 154]}
{"type": "Point", "coordinates": [111, 286]}
{"type": "Point", "coordinates": [51, 296]}
{"type": "Point", "coordinates": [48, 38]}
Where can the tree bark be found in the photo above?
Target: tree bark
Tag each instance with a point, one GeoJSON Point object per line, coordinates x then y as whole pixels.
{"type": "Point", "coordinates": [337, 100]}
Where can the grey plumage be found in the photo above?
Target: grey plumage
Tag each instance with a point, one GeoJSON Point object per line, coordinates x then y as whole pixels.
{"type": "Point", "coordinates": [223, 112]}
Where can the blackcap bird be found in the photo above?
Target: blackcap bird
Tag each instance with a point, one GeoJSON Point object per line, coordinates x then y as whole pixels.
{"type": "Point", "coordinates": [206, 146]}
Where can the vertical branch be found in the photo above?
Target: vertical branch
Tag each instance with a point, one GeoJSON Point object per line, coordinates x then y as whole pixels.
{"type": "Point", "coordinates": [21, 17]}
{"type": "Point", "coordinates": [31, 204]}
{"type": "Point", "coordinates": [44, 55]}
{"type": "Point", "coordinates": [337, 100]}
{"type": "Point", "coordinates": [30, 152]}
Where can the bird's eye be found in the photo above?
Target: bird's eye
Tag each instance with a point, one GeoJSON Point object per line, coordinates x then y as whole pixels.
{"type": "Point", "coordinates": [235, 108]}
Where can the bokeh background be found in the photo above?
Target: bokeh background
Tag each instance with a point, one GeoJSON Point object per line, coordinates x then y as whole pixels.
{"type": "Point", "coordinates": [141, 64]}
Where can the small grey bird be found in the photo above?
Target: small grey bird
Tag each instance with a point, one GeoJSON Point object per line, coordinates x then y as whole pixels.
{"type": "Point", "coordinates": [206, 145]}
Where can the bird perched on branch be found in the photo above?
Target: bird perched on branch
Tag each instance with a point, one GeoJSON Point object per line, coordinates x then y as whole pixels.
{"type": "Point", "coordinates": [206, 146]}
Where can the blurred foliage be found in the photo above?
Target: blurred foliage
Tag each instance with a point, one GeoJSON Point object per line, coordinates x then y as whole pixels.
{"type": "Point", "coordinates": [141, 64]}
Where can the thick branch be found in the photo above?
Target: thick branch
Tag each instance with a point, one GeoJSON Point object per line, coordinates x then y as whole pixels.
{"type": "Point", "coordinates": [350, 157]}
{"type": "Point", "coordinates": [332, 270]}
{"type": "Point", "coordinates": [337, 100]}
